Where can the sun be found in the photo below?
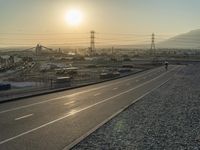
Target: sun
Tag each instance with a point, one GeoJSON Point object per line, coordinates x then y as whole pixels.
{"type": "Point", "coordinates": [74, 17]}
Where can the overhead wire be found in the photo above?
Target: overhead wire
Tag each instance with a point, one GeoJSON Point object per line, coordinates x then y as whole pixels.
{"type": "Point", "coordinates": [100, 38]}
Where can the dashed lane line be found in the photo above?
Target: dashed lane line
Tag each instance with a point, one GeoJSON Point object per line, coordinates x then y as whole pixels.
{"type": "Point", "coordinates": [23, 117]}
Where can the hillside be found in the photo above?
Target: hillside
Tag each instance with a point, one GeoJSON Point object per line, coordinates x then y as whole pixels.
{"type": "Point", "coordinates": [186, 40]}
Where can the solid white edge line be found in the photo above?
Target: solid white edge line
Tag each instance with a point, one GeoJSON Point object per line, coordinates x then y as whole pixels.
{"type": "Point", "coordinates": [71, 95]}
{"type": "Point", "coordinates": [74, 143]}
{"type": "Point", "coordinates": [80, 110]}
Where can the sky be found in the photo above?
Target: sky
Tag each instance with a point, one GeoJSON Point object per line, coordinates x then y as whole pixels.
{"type": "Point", "coordinates": [44, 21]}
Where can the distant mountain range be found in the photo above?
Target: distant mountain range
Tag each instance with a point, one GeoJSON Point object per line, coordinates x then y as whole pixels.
{"type": "Point", "coordinates": [186, 40]}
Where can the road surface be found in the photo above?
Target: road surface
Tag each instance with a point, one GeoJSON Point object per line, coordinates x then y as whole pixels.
{"type": "Point", "coordinates": [56, 120]}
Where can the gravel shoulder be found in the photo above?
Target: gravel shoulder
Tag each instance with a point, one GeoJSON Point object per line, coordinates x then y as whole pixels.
{"type": "Point", "coordinates": [167, 118]}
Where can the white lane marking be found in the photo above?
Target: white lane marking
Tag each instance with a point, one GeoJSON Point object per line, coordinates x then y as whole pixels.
{"type": "Point", "coordinates": [97, 94]}
{"type": "Point", "coordinates": [71, 95]}
{"type": "Point", "coordinates": [69, 103]}
{"type": "Point", "coordinates": [80, 110]}
{"type": "Point", "coordinates": [26, 116]}
{"type": "Point", "coordinates": [115, 88]}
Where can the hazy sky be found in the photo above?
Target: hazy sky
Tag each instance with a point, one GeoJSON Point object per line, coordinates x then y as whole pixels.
{"type": "Point", "coordinates": [164, 17]}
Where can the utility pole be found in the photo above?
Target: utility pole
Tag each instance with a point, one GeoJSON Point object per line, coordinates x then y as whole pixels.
{"type": "Point", "coordinates": [153, 46]}
{"type": "Point", "coordinates": [92, 43]}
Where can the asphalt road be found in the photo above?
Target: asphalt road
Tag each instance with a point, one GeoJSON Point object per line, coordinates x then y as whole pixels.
{"type": "Point", "coordinates": [53, 121]}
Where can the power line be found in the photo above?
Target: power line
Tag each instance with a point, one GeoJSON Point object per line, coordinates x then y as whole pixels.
{"type": "Point", "coordinates": [102, 38]}
{"type": "Point", "coordinates": [19, 33]}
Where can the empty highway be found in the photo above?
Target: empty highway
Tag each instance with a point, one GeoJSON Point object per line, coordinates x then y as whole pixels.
{"type": "Point", "coordinates": [54, 121]}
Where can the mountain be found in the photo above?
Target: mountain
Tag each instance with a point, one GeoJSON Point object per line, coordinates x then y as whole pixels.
{"type": "Point", "coordinates": [186, 40]}
{"type": "Point", "coordinates": [189, 40]}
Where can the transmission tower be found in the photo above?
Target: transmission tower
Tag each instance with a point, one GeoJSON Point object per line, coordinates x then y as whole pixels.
{"type": "Point", "coordinates": [92, 43]}
{"type": "Point", "coordinates": [153, 46]}
{"type": "Point", "coordinates": [38, 49]}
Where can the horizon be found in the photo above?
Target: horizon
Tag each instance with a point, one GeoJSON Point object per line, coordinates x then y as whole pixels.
{"type": "Point", "coordinates": [115, 22]}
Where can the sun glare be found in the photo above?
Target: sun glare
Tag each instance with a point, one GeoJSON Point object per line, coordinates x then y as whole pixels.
{"type": "Point", "coordinates": [74, 17]}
